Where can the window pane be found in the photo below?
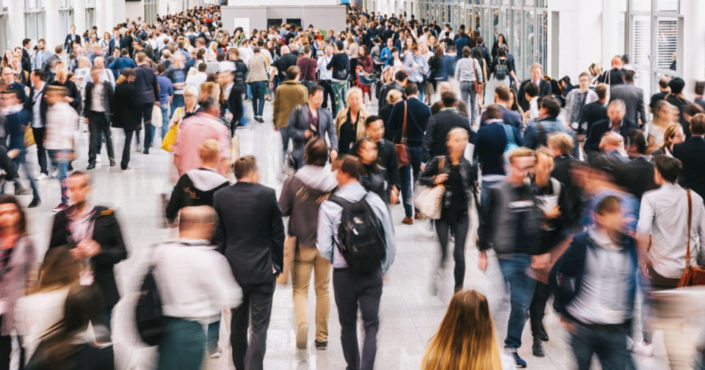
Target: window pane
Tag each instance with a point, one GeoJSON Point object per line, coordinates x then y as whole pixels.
{"type": "Point", "coordinates": [515, 45]}
{"type": "Point", "coordinates": [621, 30]}
{"type": "Point", "coordinates": [666, 42]}
{"type": "Point", "coordinates": [529, 37]}
{"type": "Point", "coordinates": [666, 5]}
{"type": "Point", "coordinates": [641, 5]}
{"type": "Point", "coordinates": [541, 52]}
{"type": "Point", "coordinates": [641, 40]}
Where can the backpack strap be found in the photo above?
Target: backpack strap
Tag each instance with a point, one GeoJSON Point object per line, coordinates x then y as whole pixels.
{"type": "Point", "coordinates": [339, 201]}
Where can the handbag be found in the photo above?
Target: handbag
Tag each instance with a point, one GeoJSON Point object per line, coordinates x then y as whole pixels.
{"type": "Point", "coordinates": [29, 137]}
{"type": "Point", "coordinates": [478, 85]}
{"type": "Point", "coordinates": [157, 116]}
{"type": "Point", "coordinates": [692, 275]}
{"type": "Point", "coordinates": [429, 199]}
{"type": "Point", "coordinates": [401, 148]}
{"type": "Point", "coordinates": [170, 138]}
{"type": "Point", "coordinates": [234, 148]}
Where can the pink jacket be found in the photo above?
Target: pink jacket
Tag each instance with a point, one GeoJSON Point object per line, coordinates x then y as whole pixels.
{"type": "Point", "coordinates": [193, 131]}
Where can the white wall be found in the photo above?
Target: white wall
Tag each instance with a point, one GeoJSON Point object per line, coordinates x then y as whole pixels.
{"type": "Point", "coordinates": [134, 10]}
{"type": "Point", "coordinates": [580, 38]}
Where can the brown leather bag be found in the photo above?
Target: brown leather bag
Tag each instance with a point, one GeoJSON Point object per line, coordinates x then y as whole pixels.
{"type": "Point", "coordinates": [401, 148]}
{"type": "Point", "coordinates": [478, 85]}
{"type": "Point", "coordinates": [692, 275]}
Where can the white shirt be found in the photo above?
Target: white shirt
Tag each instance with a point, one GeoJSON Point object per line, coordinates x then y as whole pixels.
{"type": "Point", "coordinates": [534, 108]}
{"type": "Point", "coordinates": [245, 53]}
{"type": "Point", "coordinates": [195, 281]}
{"type": "Point", "coordinates": [36, 115]}
{"type": "Point", "coordinates": [664, 215]}
{"type": "Point", "coordinates": [62, 122]}
{"type": "Point", "coordinates": [324, 74]}
{"type": "Point", "coordinates": [97, 102]}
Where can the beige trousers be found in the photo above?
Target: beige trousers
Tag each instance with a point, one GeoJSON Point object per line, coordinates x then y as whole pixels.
{"type": "Point", "coordinates": [305, 260]}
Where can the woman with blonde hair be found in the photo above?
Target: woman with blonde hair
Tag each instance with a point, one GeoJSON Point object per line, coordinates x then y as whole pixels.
{"type": "Point", "coordinates": [350, 122]}
{"type": "Point", "coordinates": [671, 136]}
{"type": "Point", "coordinates": [465, 339]}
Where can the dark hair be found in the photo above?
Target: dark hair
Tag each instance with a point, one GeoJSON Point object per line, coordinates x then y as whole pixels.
{"type": "Point", "coordinates": [608, 204]}
{"type": "Point", "coordinates": [292, 72]}
{"type": "Point", "coordinates": [697, 124]}
{"type": "Point", "coordinates": [128, 72]}
{"type": "Point", "coordinates": [479, 40]}
{"type": "Point", "coordinates": [40, 74]}
{"type": "Point", "coordinates": [58, 269]}
{"type": "Point", "coordinates": [208, 103]}
{"type": "Point", "coordinates": [503, 93]}
{"type": "Point", "coordinates": [355, 150]}
{"type": "Point", "coordinates": [693, 109]}
{"type": "Point", "coordinates": [551, 105]}
{"type": "Point", "coordinates": [493, 111]}
{"type": "Point", "coordinates": [243, 166]}
{"type": "Point", "coordinates": [501, 52]}
{"type": "Point", "coordinates": [638, 141]}
{"type": "Point", "coordinates": [14, 92]}
{"type": "Point", "coordinates": [9, 199]}
{"type": "Point", "coordinates": [411, 89]}
{"type": "Point", "coordinates": [449, 99]}
{"type": "Point", "coordinates": [339, 44]}
{"type": "Point", "coordinates": [628, 75]}
{"type": "Point", "coordinates": [531, 90]}
{"type": "Point", "coordinates": [371, 119]}
{"type": "Point", "coordinates": [316, 152]}
{"type": "Point", "coordinates": [314, 89]}
{"type": "Point", "coordinates": [601, 90]}
{"type": "Point", "coordinates": [26, 41]}
{"type": "Point", "coordinates": [663, 82]}
{"type": "Point", "coordinates": [202, 67]}
{"type": "Point", "coordinates": [161, 67]}
{"type": "Point", "coordinates": [401, 76]}
{"type": "Point", "coordinates": [669, 167]}
{"type": "Point", "coordinates": [350, 166]}
{"type": "Point", "coordinates": [466, 52]}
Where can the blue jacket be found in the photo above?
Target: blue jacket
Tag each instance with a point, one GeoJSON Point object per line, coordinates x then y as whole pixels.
{"type": "Point", "coordinates": [511, 117]}
{"type": "Point", "coordinates": [447, 68]}
{"type": "Point", "coordinates": [566, 277]}
{"type": "Point", "coordinates": [418, 114]}
{"type": "Point", "coordinates": [534, 137]}
{"type": "Point", "coordinates": [490, 142]}
{"type": "Point", "coordinates": [15, 126]}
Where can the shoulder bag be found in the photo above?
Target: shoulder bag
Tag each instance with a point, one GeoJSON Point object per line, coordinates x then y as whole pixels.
{"type": "Point", "coordinates": [692, 275]}
{"type": "Point", "coordinates": [478, 85]}
{"type": "Point", "coordinates": [401, 148]}
{"type": "Point", "coordinates": [429, 200]}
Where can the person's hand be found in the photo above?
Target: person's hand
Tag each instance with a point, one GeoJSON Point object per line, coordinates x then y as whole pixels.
{"type": "Point", "coordinates": [645, 268]}
{"type": "Point", "coordinates": [84, 120]}
{"type": "Point", "coordinates": [423, 167]}
{"type": "Point", "coordinates": [308, 134]}
{"type": "Point", "coordinates": [156, 103]}
{"type": "Point", "coordinates": [482, 261]}
{"type": "Point", "coordinates": [68, 99]}
{"type": "Point", "coordinates": [333, 155]}
{"type": "Point", "coordinates": [394, 195]}
{"type": "Point", "coordinates": [439, 179]}
{"type": "Point", "coordinates": [13, 153]}
{"type": "Point", "coordinates": [554, 213]}
{"type": "Point", "coordinates": [568, 325]}
{"type": "Point", "coordinates": [78, 254]}
{"type": "Point", "coordinates": [540, 261]}
{"type": "Point", "coordinates": [89, 247]}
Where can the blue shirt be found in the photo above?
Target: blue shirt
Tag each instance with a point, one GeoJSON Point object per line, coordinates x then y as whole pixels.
{"type": "Point", "coordinates": [166, 89]}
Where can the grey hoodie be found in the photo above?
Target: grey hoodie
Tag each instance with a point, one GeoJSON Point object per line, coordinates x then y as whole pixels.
{"type": "Point", "coordinates": [301, 196]}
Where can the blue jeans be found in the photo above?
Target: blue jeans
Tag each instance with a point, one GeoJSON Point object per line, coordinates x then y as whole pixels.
{"type": "Point", "coordinates": [165, 118]}
{"type": "Point", "coordinates": [258, 90]}
{"type": "Point", "coordinates": [20, 161]}
{"type": "Point", "coordinates": [340, 90]}
{"type": "Point", "coordinates": [182, 346]}
{"type": "Point", "coordinates": [284, 131]}
{"type": "Point", "coordinates": [176, 102]}
{"type": "Point", "coordinates": [485, 190]}
{"type": "Point", "coordinates": [409, 174]}
{"type": "Point", "coordinates": [608, 342]}
{"type": "Point", "coordinates": [469, 96]}
{"type": "Point", "coordinates": [60, 160]}
{"type": "Point", "coordinates": [521, 291]}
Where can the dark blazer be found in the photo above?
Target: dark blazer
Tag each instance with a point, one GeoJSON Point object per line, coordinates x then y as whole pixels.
{"type": "Point", "coordinates": [69, 40]}
{"type": "Point", "coordinates": [511, 117]}
{"type": "Point", "coordinates": [592, 142]}
{"type": "Point", "coordinates": [589, 114]}
{"type": "Point", "coordinates": [250, 232]}
{"type": "Point", "coordinates": [418, 114]}
{"type": "Point", "coordinates": [26, 61]}
{"type": "Point", "coordinates": [692, 154]}
{"type": "Point", "coordinates": [544, 89]}
{"type": "Point", "coordinates": [106, 231]}
{"type": "Point", "coordinates": [43, 106]}
{"type": "Point", "coordinates": [125, 113]}
{"type": "Point", "coordinates": [388, 159]}
{"type": "Point", "coordinates": [637, 176]}
{"type": "Point", "coordinates": [146, 85]}
{"type": "Point", "coordinates": [633, 98]}
{"type": "Point", "coordinates": [439, 125]}
{"type": "Point", "coordinates": [107, 99]}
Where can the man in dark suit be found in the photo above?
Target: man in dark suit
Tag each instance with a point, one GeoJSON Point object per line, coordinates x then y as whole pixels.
{"type": "Point", "coordinates": [70, 39]}
{"type": "Point", "coordinates": [26, 59]}
{"type": "Point", "coordinates": [692, 155]}
{"type": "Point", "coordinates": [543, 86]}
{"type": "Point", "coordinates": [97, 109]}
{"type": "Point", "coordinates": [636, 175]}
{"type": "Point", "coordinates": [147, 95]}
{"type": "Point", "coordinates": [593, 112]}
{"type": "Point", "coordinates": [93, 235]}
{"type": "Point", "coordinates": [251, 235]}
{"type": "Point", "coordinates": [615, 122]}
{"type": "Point", "coordinates": [440, 124]}
{"type": "Point", "coordinates": [633, 98]}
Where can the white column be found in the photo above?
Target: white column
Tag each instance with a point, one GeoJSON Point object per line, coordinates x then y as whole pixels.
{"type": "Point", "coordinates": [51, 25]}
{"type": "Point", "coordinates": [15, 22]}
{"type": "Point", "coordinates": [79, 16]}
{"type": "Point", "coordinates": [693, 60]}
{"type": "Point", "coordinates": [610, 25]}
{"type": "Point", "coordinates": [101, 17]}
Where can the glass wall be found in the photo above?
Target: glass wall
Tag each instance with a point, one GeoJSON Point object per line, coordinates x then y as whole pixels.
{"type": "Point", "coordinates": [65, 16]}
{"type": "Point", "coordinates": [523, 22]}
{"type": "Point", "coordinates": [3, 27]}
{"type": "Point", "coordinates": [34, 19]}
{"type": "Point", "coordinates": [150, 11]}
{"type": "Point", "coordinates": [90, 14]}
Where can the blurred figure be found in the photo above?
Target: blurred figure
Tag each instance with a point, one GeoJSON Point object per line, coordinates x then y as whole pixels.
{"type": "Point", "coordinates": [197, 187]}
{"type": "Point", "coordinates": [67, 347]}
{"type": "Point", "coordinates": [465, 338]}
{"type": "Point", "coordinates": [125, 112]}
{"type": "Point", "coordinates": [440, 124]}
{"type": "Point", "coordinates": [202, 277]}
{"type": "Point", "coordinates": [577, 99]}
{"type": "Point", "coordinates": [595, 286]}
{"type": "Point", "coordinates": [458, 177]}
{"type": "Point", "coordinates": [97, 109]}
{"type": "Point", "coordinates": [61, 124]}
{"type": "Point", "coordinates": [93, 236]}
{"type": "Point", "coordinates": [43, 308]}
{"type": "Point", "coordinates": [692, 155]}
{"type": "Point", "coordinates": [614, 123]}
{"type": "Point", "coordinates": [309, 121]}
{"type": "Point", "coordinates": [288, 96]}
{"type": "Point", "coordinates": [18, 263]}
{"type": "Point", "coordinates": [671, 136]}
{"type": "Point", "coordinates": [387, 155]}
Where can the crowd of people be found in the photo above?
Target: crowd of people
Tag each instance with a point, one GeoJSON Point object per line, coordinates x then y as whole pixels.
{"type": "Point", "coordinates": [581, 192]}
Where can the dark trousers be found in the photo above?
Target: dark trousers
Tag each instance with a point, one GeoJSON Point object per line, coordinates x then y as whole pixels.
{"type": "Point", "coordinates": [41, 152]}
{"type": "Point", "coordinates": [521, 291]}
{"type": "Point", "coordinates": [353, 291]}
{"type": "Point", "coordinates": [328, 94]}
{"type": "Point", "coordinates": [145, 115]}
{"type": "Point", "coordinates": [258, 90]}
{"type": "Point", "coordinates": [183, 345]}
{"type": "Point", "coordinates": [98, 127]}
{"type": "Point", "coordinates": [409, 174]}
{"type": "Point", "coordinates": [537, 309]}
{"type": "Point", "coordinates": [608, 342]}
{"type": "Point", "coordinates": [6, 351]}
{"type": "Point", "coordinates": [460, 230]}
{"type": "Point", "coordinates": [126, 148]}
{"type": "Point", "coordinates": [254, 313]}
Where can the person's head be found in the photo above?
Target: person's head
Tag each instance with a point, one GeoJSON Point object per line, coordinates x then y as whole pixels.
{"type": "Point", "coordinates": [315, 96]}
{"type": "Point", "coordinates": [560, 143]}
{"type": "Point", "coordinates": [676, 84]}
{"type": "Point", "coordinates": [209, 89]}
{"type": "Point", "coordinates": [99, 62]}
{"type": "Point", "coordinates": [196, 223]}
{"type": "Point", "coordinates": [79, 187]}
{"type": "Point", "coordinates": [316, 152]}
{"type": "Point", "coordinates": [502, 95]}
{"type": "Point", "coordinates": [96, 73]}
{"type": "Point", "coordinates": [12, 216]}
{"type": "Point", "coordinates": [673, 134]}
{"type": "Point", "coordinates": [456, 141]}
{"type": "Point", "coordinates": [41, 44]}
{"type": "Point", "coordinates": [531, 91]}
{"type": "Point", "coordinates": [637, 143]}
{"type": "Point", "coordinates": [210, 106]}
{"type": "Point", "coordinates": [616, 61]}
{"type": "Point", "coordinates": [616, 111]}
{"type": "Point", "coordinates": [7, 75]}
{"type": "Point", "coordinates": [628, 76]}
{"type": "Point", "coordinates": [355, 99]}
{"type": "Point", "coordinates": [190, 97]}
{"type": "Point", "coordinates": [689, 112]}
{"type": "Point", "coordinates": [608, 216]}
{"type": "Point", "coordinates": [27, 43]}
{"type": "Point", "coordinates": [393, 96]}
{"type": "Point", "coordinates": [209, 152]}
{"type": "Point", "coordinates": [601, 91]}
{"type": "Point", "coordinates": [366, 150]}
{"type": "Point", "coordinates": [493, 111]}
{"type": "Point", "coordinates": [246, 170]}
{"type": "Point", "coordinates": [665, 111]}
{"type": "Point", "coordinates": [584, 81]}
{"type": "Point", "coordinates": [611, 141]}
{"type": "Point", "coordinates": [466, 336]}
{"type": "Point", "coordinates": [466, 52]}
{"type": "Point", "coordinates": [697, 124]}
{"type": "Point", "coordinates": [401, 77]}
{"type": "Point", "coordinates": [374, 128]}
{"type": "Point", "coordinates": [536, 72]}
{"type": "Point", "coordinates": [544, 166]}
{"type": "Point", "coordinates": [521, 162]}
{"type": "Point", "coordinates": [663, 84]}
{"type": "Point", "coordinates": [10, 97]}
{"type": "Point", "coordinates": [549, 107]}
{"type": "Point", "coordinates": [449, 99]}
{"type": "Point", "coordinates": [55, 94]}
{"type": "Point", "coordinates": [349, 169]}
{"type": "Point", "coordinates": [699, 88]}
{"type": "Point", "coordinates": [292, 73]}
{"type": "Point", "coordinates": [38, 77]}
{"type": "Point", "coordinates": [58, 270]}
{"type": "Point", "coordinates": [666, 169]}
{"type": "Point", "coordinates": [141, 58]}
{"type": "Point", "coordinates": [411, 90]}
{"type": "Point", "coordinates": [127, 75]}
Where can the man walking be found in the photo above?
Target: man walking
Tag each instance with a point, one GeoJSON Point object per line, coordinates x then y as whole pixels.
{"type": "Point", "coordinates": [290, 94]}
{"type": "Point", "coordinates": [147, 95]}
{"type": "Point", "coordinates": [96, 109]}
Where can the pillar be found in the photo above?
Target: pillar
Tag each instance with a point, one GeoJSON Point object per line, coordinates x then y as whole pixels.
{"type": "Point", "coordinates": [79, 16]}
{"type": "Point", "coordinates": [693, 60]}
{"type": "Point", "coordinates": [51, 24]}
{"type": "Point", "coordinates": [15, 22]}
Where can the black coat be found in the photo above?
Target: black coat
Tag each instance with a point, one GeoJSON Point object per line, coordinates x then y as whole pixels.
{"type": "Point", "coordinates": [107, 99]}
{"type": "Point", "coordinates": [592, 142]}
{"type": "Point", "coordinates": [636, 176]}
{"type": "Point", "coordinates": [250, 232]}
{"type": "Point", "coordinates": [125, 111]}
{"type": "Point", "coordinates": [388, 160]}
{"type": "Point", "coordinates": [544, 90]}
{"type": "Point", "coordinates": [146, 85]}
{"type": "Point", "coordinates": [439, 125]}
{"type": "Point", "coordinates": [589, 114]}
{"type": "Point", "coordinates": [692, 154]}
{"type": "Point", "coordinates": [43, 106]}
{"type": "Point", "coordinates": [106, 231]}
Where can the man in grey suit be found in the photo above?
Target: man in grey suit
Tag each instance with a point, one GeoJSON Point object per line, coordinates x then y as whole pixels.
{"type": "Point", "coordinates": [309, 120]}
{"type": "Point", "coordinates": [633, 98]}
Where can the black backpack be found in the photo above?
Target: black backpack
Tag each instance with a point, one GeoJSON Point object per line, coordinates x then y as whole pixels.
{"type": "Point", "coordinates": [501, 70]}
{"type": "Point", "coordinates": [361, 235]}
{"type": "Point", "coordinates": [148, 312]}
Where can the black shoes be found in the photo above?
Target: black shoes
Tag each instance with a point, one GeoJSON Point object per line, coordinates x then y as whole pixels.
{"type": "Point", "coordinates": [537, 348]}
{"type": "Point", "coordinates": [518, 361]}
{"type": "Point", "coordinates": [112, 162]}
{"type": "Point", "coordinates": [91, 166]}
{"type": "Point", "coordinates": [34, 203]}
{"type": "Point", "coordinates": [321, 346]}
{"type": "Point", "coordinates": [146, 151]}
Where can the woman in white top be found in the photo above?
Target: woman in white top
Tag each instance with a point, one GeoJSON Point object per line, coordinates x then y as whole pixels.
{"type": "Point", "coordinates": [664, 115]}
{"type": "Point", "coordinates": [43, 308]}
